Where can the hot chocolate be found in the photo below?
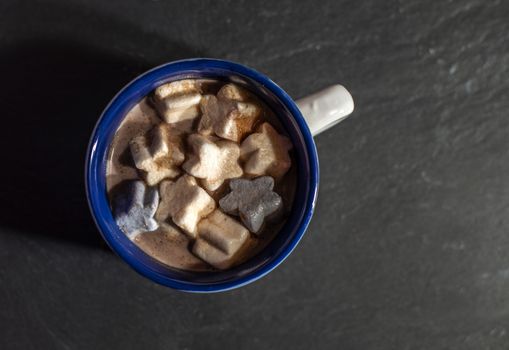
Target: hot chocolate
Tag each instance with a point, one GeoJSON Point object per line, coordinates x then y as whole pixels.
{"type": "Point", "coordinates": [201, 175]}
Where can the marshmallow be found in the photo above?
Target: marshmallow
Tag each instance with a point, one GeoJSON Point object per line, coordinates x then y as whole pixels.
{"type": "Point", "coordinates": [141, 153]}
{"type": "Point", "coordinates": [185, 202]}
{"type": "Point", "coordinates": [223, 232]}
{"type": "Point", "coordinates": [167, 143]}
{"type": "Point", "coordinates": [228, 119]}
{"type": "Point", "coordinates": [181, 101]}
{"type": "Point", "coordinates": [161, 158]}
{"type": "Point", "coordinates": [181, 115]}
{"type": "Point", "coordinates": [266, 153]}
{"type": "Point", "coordinates": [220, 239]}
{"type": "Point", "coordinates": [252, 200]}
{"type": "Point", "coordinates": [234, 93]}
{"type": "Point", "coordinates": [176, 87]}
{"type": "Point", "coordinates": [212, 113]}
{"type": "Point", "coordinates": [163, 169]}
{"type": "Point", "coordinates": [212, 160]}
{"type": "Point", "coordinates": [243, 111]}
{"type": "Point", "coordinates": [178, 103]}
{"type": "Point", "coordinates": [134, 208]}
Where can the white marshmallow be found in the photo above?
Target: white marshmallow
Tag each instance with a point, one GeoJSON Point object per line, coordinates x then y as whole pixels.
{"type": "Point", "coordinates": [220, 240]}
{"type": "Point", "coordinates": [181, 101]}
{"type": "Point", "coordinates": [266, 152]}
{"type": "Point", "coordinates": [185, 202]}
{"type": "Point", "coordinates": [164, 169]}
{"type": "Point", "coordinates": [212, 160]}
{"type": "Point", "coordinates": [210, 254]}
{"type": "Point", "coordinates": [162, 158]}
{"type": "Point", "coordinates": [178, 103]}
{"type": "Point", "coordinates": [234, 93]}
{"type": "Point", "coordinates": [176, 87]}
{"type": "Point", "coordinates": [141, 153]}
{"type": "Point", "coordinates": [223, 232]}
{"type": "Point", "coordinates": [228, 119]}
{"type": "Point", "coordinates": [171, 116]}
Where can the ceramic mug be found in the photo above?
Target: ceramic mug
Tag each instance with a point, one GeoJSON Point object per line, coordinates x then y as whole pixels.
{"type": "Point", "coordinates": [301, 120]}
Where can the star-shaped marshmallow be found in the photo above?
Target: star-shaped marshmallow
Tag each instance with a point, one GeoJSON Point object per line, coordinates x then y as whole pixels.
{"type": "Point", "coordinates": [212, 160]}
{"type": "Point", "coordinates": [185, 202]}
{"type": "Point", "coordinates": [231, 115]}
{"type": "Point", "coordinates": [266, 153]}
{"type": "Point", "coordinates": [252, 200]}
{"type": "Point", "coordinates": [178, 103]}
{"type": "Point", "coordinates": [157, 153]}
{"type": "Point", "coordinates": [134, 208]}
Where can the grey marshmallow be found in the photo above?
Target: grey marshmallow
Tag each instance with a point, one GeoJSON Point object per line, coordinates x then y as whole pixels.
{"type": "Point", "coordinates": [134, 208]}
{"type": "Point", "coordinates": [252, 200]}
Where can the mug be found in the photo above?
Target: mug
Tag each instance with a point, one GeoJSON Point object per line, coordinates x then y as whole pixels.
{"type": "Point", "coordinates": [301, 120]}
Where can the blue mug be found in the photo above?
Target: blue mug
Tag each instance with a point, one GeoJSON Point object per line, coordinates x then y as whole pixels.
{"type": "Point", "coordinates": [320, 110]}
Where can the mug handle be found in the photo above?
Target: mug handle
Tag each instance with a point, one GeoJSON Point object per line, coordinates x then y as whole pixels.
{"type": "Point", "coordinates": [326, 108]}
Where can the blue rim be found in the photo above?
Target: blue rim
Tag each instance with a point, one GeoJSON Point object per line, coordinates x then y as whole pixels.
{"type": "Point", "coordinates": [95, 170]}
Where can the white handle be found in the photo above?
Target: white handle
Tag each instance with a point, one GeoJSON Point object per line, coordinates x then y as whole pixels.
{"type": "Point", "coordinates": [326, 108]}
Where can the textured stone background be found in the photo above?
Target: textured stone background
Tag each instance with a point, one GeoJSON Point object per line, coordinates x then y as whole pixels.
{"type": "Point", "coordinates": [408, 247]}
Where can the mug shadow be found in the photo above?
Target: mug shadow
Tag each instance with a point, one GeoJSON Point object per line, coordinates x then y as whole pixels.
{"type": "Point", "coordinates": [51, 96]}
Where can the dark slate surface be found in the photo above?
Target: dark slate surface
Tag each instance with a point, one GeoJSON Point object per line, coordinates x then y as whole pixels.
{"type": "Point", "coordinates": [408, 246]}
